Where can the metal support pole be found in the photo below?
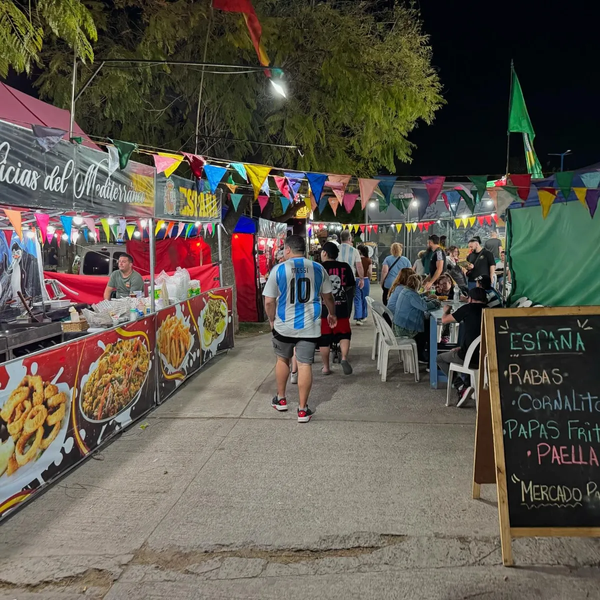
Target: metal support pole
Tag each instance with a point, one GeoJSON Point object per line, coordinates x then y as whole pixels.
{"type": "Point", "coordinates": [199, 109]}
{"type": "Point", "coordinates": [219, 240]}
{"type": "Point", "coordinates": [87, 83]}
{"type": "Point", "coordinates": [152, 243]}
{"type": "Point", "coordinates": [73, 86]}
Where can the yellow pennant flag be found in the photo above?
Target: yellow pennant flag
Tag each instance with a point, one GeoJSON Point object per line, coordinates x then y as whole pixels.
{"type": "Point", "coordinates": [580, 193]}
{"type": "Point", "coordinates": [457, 222]}
{"type": "Point", "coordinates": [472, 221]}
{"type": "Point", "coordinates": [546, 200]}
{"type": "Point", "coordinates": [130, 230]}
{"type": "Point", "coordinates": [257, 175]}
{"type": "Point", "coordinates": [158, 227]}
{"type": "Point", "coordinates": [356, 228]}
{"type": "Point", "coordinates": [177, 158]}
{"type": "Point", "coordinates": [398, 227]}
{"type": "Point", "coordinates": [465, 222]}
{"type": "Point", "coordinates": [14, 216]}
{"type": "Point", "coordinates": [106, 228]}
{"type": "Point", "coordinates": [308, 203]}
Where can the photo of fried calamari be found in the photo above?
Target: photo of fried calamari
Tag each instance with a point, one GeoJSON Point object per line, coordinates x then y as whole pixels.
{"type": "Point", "coordinates": [115, 379]}
{"type": "Point", "coordinates": [214, 322]}
{"type": "Point", "coordinates": [31, 419]}
{"type": "Point", "coordinates": [174, 341]}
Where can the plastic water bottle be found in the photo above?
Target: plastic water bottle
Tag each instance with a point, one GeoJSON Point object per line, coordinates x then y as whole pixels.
{"type": "Point", "coordinates": [456, 294]}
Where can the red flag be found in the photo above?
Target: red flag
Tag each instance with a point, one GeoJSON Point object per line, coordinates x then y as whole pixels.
{"type": "Point", "coordinates": [488, 219]}
{"type": "Point", "coordinates": [420, 226]}
{"type": "Point", "coordinates": [375, 228]}
{"type": "Point", "coordinates": [480, 220]}
{"type": "Point", "coordinates": [426, 225]}
{"type": "Point", "coordinates": [523, 183]}
{"type": "Point", "coordinates": [495, 218]}
{"type": "Point", "coordinates": [254, 29]}
{"type": "Point", "coordinates": [362, 228]}
{"type": "Point", "coordinates": [369, 228]}
{"type": "Point", "coordinates": [196, 163]}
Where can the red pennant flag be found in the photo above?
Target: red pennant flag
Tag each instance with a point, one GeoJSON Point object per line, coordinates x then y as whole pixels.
{"type": "Point", "coordinates": [523, 183]}
{"type": "Point", "coordinates": [480, 220]}
{"type": "Point", "coordinates": [434, 186]}
{"type": "Point", "coordinates": [375, 228]}
{"type": "Point", "coordinates": [495, 217]}
{"type": "Point", "coordinates": [488, 219]}
{"type": "Point", "coordinates": [427, 225]}
{"type": "Point", "coordinates": [350, 201]}
{"type": "Point", "coordinates": [445, 197]}
{"type": "Point", "coordinates": [196, 163]}
{"type": "Point", "coordinates": [362, 228]}
{"type": "Point", "coordinates": [369, 228]}
{"type": "Point", "coordinates": [262, 201]}
{"type": "Point", "coordinates": [8, 236]}
{"type": "Point", "coordinates": [283, 186]}
{"type": "Point", "coordinates": [58, 234]}
{"type": "Point", "coordinates": [420, 226]}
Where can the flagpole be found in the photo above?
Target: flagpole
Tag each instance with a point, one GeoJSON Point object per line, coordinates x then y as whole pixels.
{"type": "Point", "coordinates": [512, 68]}
{"type": "Point", "coordinates": [210, 15]}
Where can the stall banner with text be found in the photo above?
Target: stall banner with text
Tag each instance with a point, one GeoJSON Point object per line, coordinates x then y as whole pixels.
{"type": "Point", "coordinates": [58, 405]}
{"type": "Point", "coordinates": [189, 334]}
{"type": "Point", "coordinates": [550, 402]}
{"type": "Point", "coordinates": [177, 197]}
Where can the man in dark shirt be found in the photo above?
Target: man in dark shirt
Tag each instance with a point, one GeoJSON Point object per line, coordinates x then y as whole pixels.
{"type": "Point", "coordinates": [494, 245]}
{"type": "Point", "coordinates": [469, 316]}
{"type": "Point", "coordinates": [437, 264]}
{"type": "Point", "coordinates": [481, 262]}
{"type": "Point", "coordinates": [343, 283]}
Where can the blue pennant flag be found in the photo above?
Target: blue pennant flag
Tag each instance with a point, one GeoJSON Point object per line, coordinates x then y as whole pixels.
{"type": "Point", "coordinates": [214, 176]}
{"type": "Point", "coordinates": [386, 185]}
{"type": "Point", "coordinates": [323, 202]}
{"type": "Point", "coordinates": [295, 181]}
{"type": "Point", "coordinates": [235, 200]}
{"type": "Point", "coordinates": [453, 201]}
{"type": "Point", "coordinates": [67, 223]}
{"type": "Point", "coordinates": [241, 169]}
{"type": "Point", "coordinates": [316, 182]}
{"type": "Point", "coordinates": [85, 234]}
{"type": "Point", "coordinates": [285, 203]}
{"type": "Point", "coordinates": [422, 197]}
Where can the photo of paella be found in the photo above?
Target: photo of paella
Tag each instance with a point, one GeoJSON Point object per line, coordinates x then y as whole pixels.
{"type": "Point", "coordinates": [214, 322]}
{"type": "Point", "coordinates": [174, 341]}
{"type": "Point", "coordinates": [115, 379]}
{"type": "Point", "coordinates": [31, 418]}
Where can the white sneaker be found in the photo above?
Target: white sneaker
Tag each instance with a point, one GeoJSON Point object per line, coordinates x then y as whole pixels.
{"type": "Point", "coordinates": [294, 377]}
{"type": "Point", "coordinates": [358, 323]}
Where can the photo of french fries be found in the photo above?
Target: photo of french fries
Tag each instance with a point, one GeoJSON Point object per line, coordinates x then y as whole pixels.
{"type": "Point", "coordinates": [173, 340]}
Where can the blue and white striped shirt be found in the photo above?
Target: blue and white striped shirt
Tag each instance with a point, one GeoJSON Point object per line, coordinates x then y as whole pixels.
{"type": "Point", "coordinates": [298, 284]}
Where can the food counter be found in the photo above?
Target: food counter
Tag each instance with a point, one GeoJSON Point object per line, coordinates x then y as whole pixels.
{"type": "Point", "coordinates": [59, 405]}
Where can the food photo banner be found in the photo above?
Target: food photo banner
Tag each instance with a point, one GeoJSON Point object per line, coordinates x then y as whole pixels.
{"type": "Point", "coordinates": [70, 177]}
{"type": "Point", "coordinates": [59, 405]}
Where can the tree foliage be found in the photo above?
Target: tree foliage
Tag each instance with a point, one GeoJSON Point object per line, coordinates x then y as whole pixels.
{"type": "Point", "coordinates": [359, 81]}
{"type": "Point", "coordinates": [22, 32]}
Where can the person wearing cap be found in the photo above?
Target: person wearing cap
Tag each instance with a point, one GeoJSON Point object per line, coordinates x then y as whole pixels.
{"type": "Point", "coordinates": [469, 316]}
{"type": "Point", "coordinates": [481, 262]}
{"type": "Point", "coordinates": [493, 297]}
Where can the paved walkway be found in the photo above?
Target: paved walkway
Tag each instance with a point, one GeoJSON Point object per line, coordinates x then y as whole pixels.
{"type": "Point", "coordinates": [222, 497]}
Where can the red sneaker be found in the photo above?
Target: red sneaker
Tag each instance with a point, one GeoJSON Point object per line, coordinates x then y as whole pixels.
{"type": "Point", "coordinates": [304, 415]}
{"type": "Point", "coordinates": [279, 404]}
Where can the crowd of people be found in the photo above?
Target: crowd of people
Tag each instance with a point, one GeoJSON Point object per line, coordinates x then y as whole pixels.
{"type": "Point", "coordinates": [309, 304]}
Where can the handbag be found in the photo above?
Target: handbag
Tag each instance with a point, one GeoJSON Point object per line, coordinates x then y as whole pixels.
{"type": "Point", "coordinates": [393, 265]}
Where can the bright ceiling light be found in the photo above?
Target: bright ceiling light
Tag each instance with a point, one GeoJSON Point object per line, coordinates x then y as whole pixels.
{"type": "Point", "coordinates": [65, 237]}
{"type": "Point", "coordinates": [110, 221]}
{"type": "Point", "coordinates": [414, 203]}
{"type": "Point", "coordinates": [143, 222]}
{"type": "Point", "coordinates": [78, 219]}
{"type": "Point", "coordinates": [136, 234]}
{"type": "Point", "coordinates": [489, 202]}
{"type": "Point", "coordinates": [372, 203]}
{"type": "Point", "coordinates": [278, 87]}
{"type": "Point", "coordinates": [31, 234]}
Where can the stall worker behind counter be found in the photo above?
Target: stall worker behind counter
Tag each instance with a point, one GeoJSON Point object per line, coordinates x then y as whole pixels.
{"type": "Point", "coordinates": [125, 281]}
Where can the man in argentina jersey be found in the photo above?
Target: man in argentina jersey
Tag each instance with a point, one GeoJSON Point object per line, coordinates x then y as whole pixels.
{"type": "Point", "coordinates": [293, 295]}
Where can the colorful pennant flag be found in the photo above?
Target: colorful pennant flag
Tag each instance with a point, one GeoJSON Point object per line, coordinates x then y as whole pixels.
{"type": "Point", "coordinates": [469, 201]}
{"type": "Point", "coordinates": [122, 228]}
{"type": "Point", "coordinates": [323, 203]}
{"type": "Point", "coordinates": [235, 200]}
{"type": "Point", "coordinates": [334, 203]}
{"type": "Point", "coordinates": [285, 203]}
{"type": "Point", "coordinates": [434, 187]}
{"type": "Point", "coordinates": [265, 189]}
{"type": "Point", "coordinates": [188, 229]}
{"type": "Point", "coordinates": [169, 229]}
{"type": "Point", "coordinates": [167, 163]}
{"type": "Point", "coordinates": [257, 175]}
{"type": "Point", "coordinates": [239, 167]}
{"type": "Point", "coordinates": [114, 231]}
{"type": "Point", "coordinates": [47, 137]}
{"type": "Point", "coordinates": [14, 216]}
{"type": "Point", "coordinates": [471, 221]}
{"type": "Point", "coordinates": [130, 231]}
{"type": "Point", "coordinates": [316, 182]}
{"type": "Point", "coordinates": [113, 160]}
{"type": "Point", "coordinates": [457, 222]}
{"type": "Point", "coordinates": [386, 185]}
{"type": "Point", "coordinates": [480, 183]}
{"type": "Point", "coordinates": [503, 199]}
{"type": "Point", "coordinates": [283, 186]}
{"type": "Point", "coordinates": [295, 181]}
{"type": "Point", "coordinates": [338, 184]}
{"type": "Point", "coordinates": [453, 198]}
{"type": "Point", "coordinates": [422, 197]}
{"type": "Point", "coordinates": [591, 199]}
{"type": "Point", "coordinates": [547, 197]}
{"type": "Point", "coordinates": [523, 184]}
{"type": "Point", "coordinates": [125, 150]}
{"type": "Point", "coordinates": [580, 192]}
{"type": "Point", "coordinates": [214, 175]}
{"type": "Point", "coordinates": [262, 199]}
{"type": "Point", "coordinates": [180, 229]}
{"type": "Point", "coordinates": [67, 225]}
{"type": "Point", "coordinates": [158, 227]}
{"type": "Point", "coordinates": [564, 180]}
{"type": "Point", "coordinates": [196, 164]}
{"type": "Point", "coordinates": [349, 201]}
{"type": "Point", "coordinates": [308, 202]}
{"type": "Point", "coordinates": [366, 187]}
{"type": "Point", "coordinates": [420, 226]}
{"type": "Point", "coordinates": [488, 219]}
{"type": "Point", "coordinates": [42, 223]}
{"type": "Point", "coordinates": [480, 220]}
{"type": "Point", "coordinates": [591, 180]}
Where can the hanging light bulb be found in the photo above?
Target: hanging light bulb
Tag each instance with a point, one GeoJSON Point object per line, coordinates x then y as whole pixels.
{"type": "Point", "coordinates": [143, 222]}
{"type": "Point", "coordinates": [136, 234]}
{"type": "Point", "coordinates": [65, 237]}
{"type": "Point", "coordinates": [110, 221]}
{"type": "Point", "coordinates": [414, 203]}
{"type": "Point", "coordinates": [197, 224]}
{"type": "Point", "coordinates": [78, 219]}
{"type": "Point", "coordinates": [31, 234]}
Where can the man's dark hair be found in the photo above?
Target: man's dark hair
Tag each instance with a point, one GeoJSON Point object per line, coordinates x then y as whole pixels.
{"type": "Point", "coordinates": [435, 239]}
{"type": "Point", "coordinates": [127, 256]}
{"type": "Point", "coordinates": [475, 239]}
{"type": "Point", "coordinates": [485, 281]}
{"type": "Point", "coordinates": [346, 236]}
{"type": "Point", "coordinates": [443, 239]}
{"type": "Point", "coordinates": [363, 250]}
{"type": "Point", "coordinates": [331, 250]}
{"type": "Point", "coordinates": [296, 244]}
{"type": "Point", "coordinates": [478, 294]}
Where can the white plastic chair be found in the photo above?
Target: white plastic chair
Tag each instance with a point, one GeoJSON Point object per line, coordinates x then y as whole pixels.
{"type": "Point", "coordinates": [389, 342]}
{"type": "Point", "coordinates": [376, 333]}
{"type": "Point", "coordinates": [472, 373]}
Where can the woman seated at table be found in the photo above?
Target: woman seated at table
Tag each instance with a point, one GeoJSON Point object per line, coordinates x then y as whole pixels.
{"type": "Point", "coordinates": [444, 286]}
{"type": "Point", "coordinates": [397, 286]}
{"type": "Point", "coordinates": [409, 310]}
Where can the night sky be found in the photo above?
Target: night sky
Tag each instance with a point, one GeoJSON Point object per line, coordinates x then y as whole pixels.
{"type": "Point", "coordinates": [556, 49]}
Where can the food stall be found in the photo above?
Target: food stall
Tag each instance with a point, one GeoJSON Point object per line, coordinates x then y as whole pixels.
{"type": "Point", "coordinates": [60, 404]}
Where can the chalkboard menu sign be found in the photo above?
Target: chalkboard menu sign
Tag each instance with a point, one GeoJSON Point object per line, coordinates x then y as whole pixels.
{"type": "Point", "coordinates": [549, 378]}
{"type": "Point", "coordinates": [544, 403]}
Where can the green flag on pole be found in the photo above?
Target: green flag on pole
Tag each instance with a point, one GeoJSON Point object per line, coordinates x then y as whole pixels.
{"type": "Point", "coordinates": [519, 122]}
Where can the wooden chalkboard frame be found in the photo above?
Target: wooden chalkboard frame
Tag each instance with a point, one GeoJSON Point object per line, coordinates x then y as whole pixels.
{"type": "Point", "coordinates": [491, 468]}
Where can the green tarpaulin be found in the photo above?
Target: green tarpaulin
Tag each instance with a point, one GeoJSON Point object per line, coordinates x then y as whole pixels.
{"type": "Point", "coordinates": [555, 260]}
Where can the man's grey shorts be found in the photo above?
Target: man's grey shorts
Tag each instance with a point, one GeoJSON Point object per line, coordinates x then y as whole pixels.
{"type": "Point", "coordinates": [305, 350]}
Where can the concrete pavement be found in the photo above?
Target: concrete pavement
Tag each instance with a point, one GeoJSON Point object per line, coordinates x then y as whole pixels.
{"type": "Point", "coordinates": [223, 497]}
